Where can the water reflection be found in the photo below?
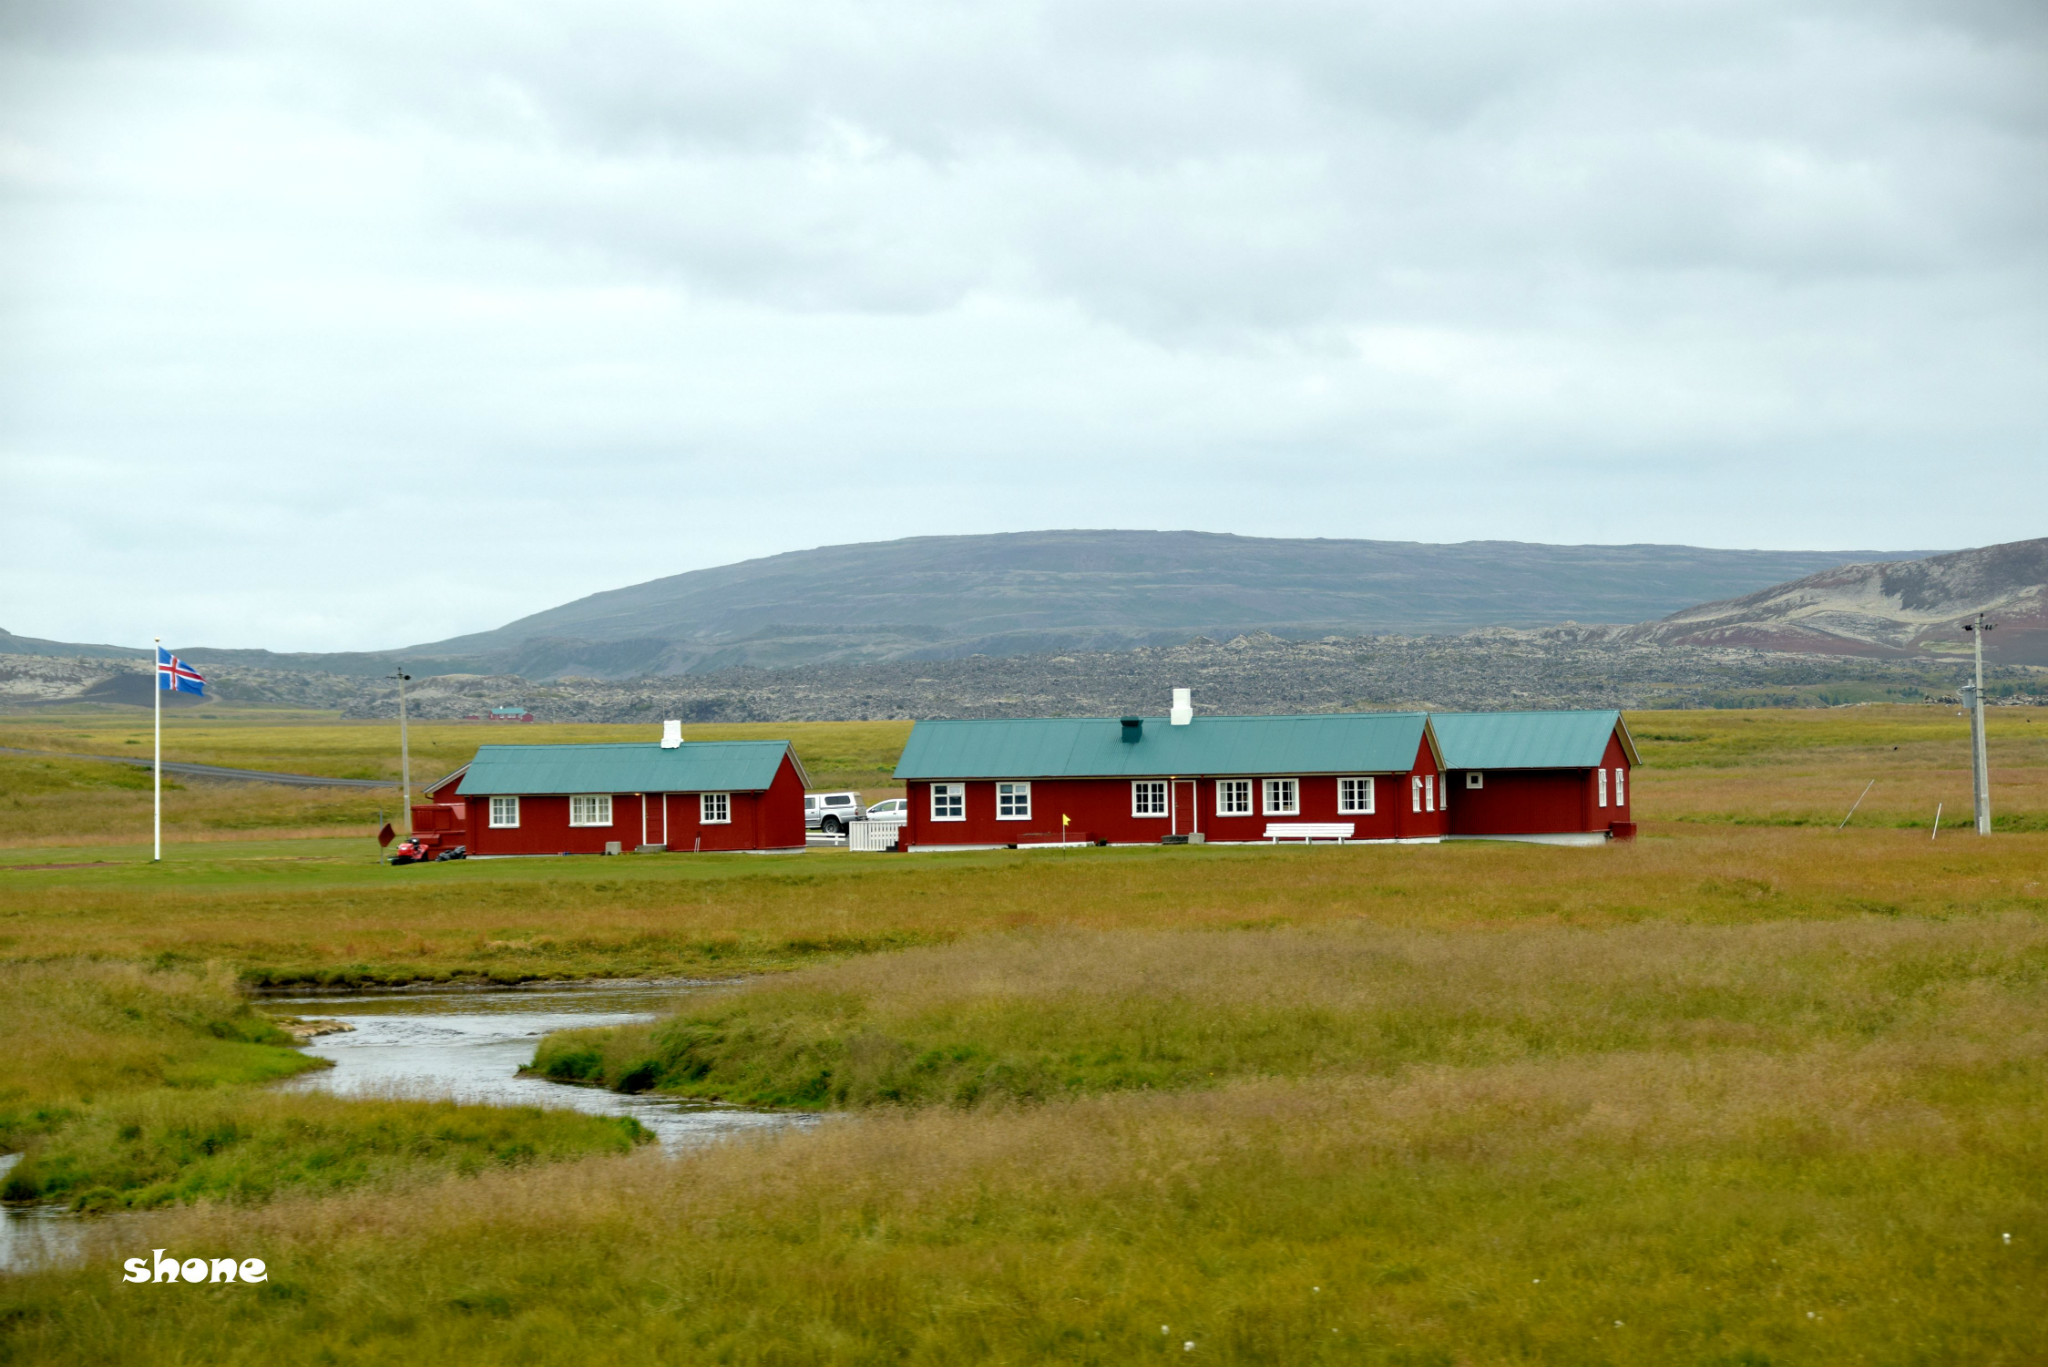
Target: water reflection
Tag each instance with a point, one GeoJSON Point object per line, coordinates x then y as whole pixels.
{"type": "Point", "coordinates": [469, 1046]}
{"type": "Point", "coordinates": [36, 1236]}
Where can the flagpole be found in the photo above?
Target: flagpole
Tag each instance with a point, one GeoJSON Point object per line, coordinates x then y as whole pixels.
{"type": "Point", "coordinates": [156, 681]}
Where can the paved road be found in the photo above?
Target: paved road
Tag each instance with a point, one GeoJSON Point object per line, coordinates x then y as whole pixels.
{"type": "Point", "coordinates": [216, 771]}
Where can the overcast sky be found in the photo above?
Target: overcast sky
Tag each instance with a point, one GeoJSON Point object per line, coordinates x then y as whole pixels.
{"type": "Point", "coordinates": [337, 324]}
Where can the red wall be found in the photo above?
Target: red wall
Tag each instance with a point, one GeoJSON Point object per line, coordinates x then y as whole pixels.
{"type": "Point", "coordinates": [771, 820]}
{"type": "Point", "coordinates": [1541, 801]}
{"type": "Point", "coordinates": [1101, 810]}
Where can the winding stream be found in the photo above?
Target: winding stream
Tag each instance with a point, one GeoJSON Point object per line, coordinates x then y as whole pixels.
{"type": "Point", "coordinates": [458, 1044]}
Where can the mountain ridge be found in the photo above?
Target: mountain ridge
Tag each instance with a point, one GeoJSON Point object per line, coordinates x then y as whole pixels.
{"type": "Point", "coordinates": [1883, 608]}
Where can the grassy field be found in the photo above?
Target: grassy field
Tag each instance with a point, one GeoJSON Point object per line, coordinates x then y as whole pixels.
{"type": "Point", "coordinates": [131, 1087]}
{"type": "Point", "coordinates": [1748, 1091]}
{"type": "Point", "coordinates": [47, 799]}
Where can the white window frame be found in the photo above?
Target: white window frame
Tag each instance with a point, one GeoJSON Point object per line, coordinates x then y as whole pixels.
{"type": "Point", "coordinates": [1144, 793]}
{"type": "Point", "coordinates": [598, 813]}
{"type": "Point", "coordinates": [1602, 775]}
{"type": "Point", "coordinates": [1415, 792]}
{"type": "Point", "coordinates": [1429, 792]}
{"type": "Point", "coordinates": [1233, 797]}
{"type": "Point", "coordinates": [502, 807]}
{"type": "Point", "coordinates": [1016, 797]}
{"type": "Point", "coordinates": [714, 809]}
{"type": "Point", "coordinates": [1621, 787]}
{"type": "Point", "coordinates": [949, 802]}
{"type": "Point", "coordinates": [1290, 805]}
{"type": "Point", "coordinates": [1348, 803]}
{"type": "Point", "coordinates": [1475, 778]}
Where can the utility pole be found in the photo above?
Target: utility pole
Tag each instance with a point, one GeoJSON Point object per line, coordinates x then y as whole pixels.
{"type": "Point", "coordinates": [404, 752]}
{"type": "Point", "coordinates": [1980, 766]}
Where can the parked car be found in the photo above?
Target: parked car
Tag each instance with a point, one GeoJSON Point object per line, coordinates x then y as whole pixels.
{"type": "Point", "coordinates": [831, 813]}
{"type": "Point", "coordinates": [890, 809]}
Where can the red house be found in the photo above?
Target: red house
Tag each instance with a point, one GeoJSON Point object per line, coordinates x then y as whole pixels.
{"type": "Point", "coordinates": [1553, 777]}
{"type": "Point", "coordinates": [605, 799]}
{"type": "Point", "coordinates": [1153, 780]}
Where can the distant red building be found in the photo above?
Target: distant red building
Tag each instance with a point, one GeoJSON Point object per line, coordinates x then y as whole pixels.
{"type": "Point", "coordinates": [1144, 780]}
{"type": "Point", "coordinates": [1555, 777]}
{"type": "Point", "coordinates": [591, 799]}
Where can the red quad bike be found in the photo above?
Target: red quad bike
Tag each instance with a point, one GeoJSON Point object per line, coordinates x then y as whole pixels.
{"type": "Point", "coordinates": [413, 850]}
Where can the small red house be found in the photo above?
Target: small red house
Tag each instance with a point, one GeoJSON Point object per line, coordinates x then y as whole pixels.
{"type": "Point", "coordinates": [599, 799]}
{"type": "Point", "coordinates": [1554, 777]}
{"type": "Point", "coordinates": [1149, 780]}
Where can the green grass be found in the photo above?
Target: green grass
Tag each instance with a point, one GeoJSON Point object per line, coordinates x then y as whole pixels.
{"type": "Point", "coordinates": [1734, 1094]}
{"type": "Point", "coordinates": [1033, 1018]}
{"type": "Point", "coordinates": [165, 1147]}
{"type": "Point", "coordinates": [129, 1087]}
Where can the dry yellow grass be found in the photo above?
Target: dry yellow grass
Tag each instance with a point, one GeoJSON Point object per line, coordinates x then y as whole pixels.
{"type": "Point", "coordinates": [1843, 1204]}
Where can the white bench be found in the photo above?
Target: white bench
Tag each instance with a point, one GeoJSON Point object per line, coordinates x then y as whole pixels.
{"type": "Point", "coordinates": [1339, 831]}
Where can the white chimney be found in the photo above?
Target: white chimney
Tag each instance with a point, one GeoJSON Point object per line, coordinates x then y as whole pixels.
{"type": "Point", "coordinates": [1183, 709]}
{"type": "Point", "coordinates": [671, 735]}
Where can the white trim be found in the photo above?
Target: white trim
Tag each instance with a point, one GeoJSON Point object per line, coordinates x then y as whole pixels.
{"type": "Point", "coordinates": [955, 804]}
{"type": "Point", "coordinates": [1240, 786]}
{"type": "Point", "coordinates": [1580, 838]}
{"type": "Point", "coordinates": [1620, 786]}
{"type": "Point", "coordinates": [1290, 786]}
{"type": "Point", "coordinates": [1475, 778]}
{"type": "Point", "coordinates": [1415, 793]}
{"type": "Point", "coordinates": [1429, 792]}
{"type": "Point", "coordinates": [708, 802]}
{"type": "Point", "coordinates": [1013, 791]}
{"type": "Point", "coordinates": [498, 825]}
{"type": "Point", "coordinates": [1602, 773]}
{"type": "Point", "coordinates": [1351, 808]}
{"type": "Point", "coordinates": [602, 803]}
{"type": "Point", "coordinates": [1153, 788]}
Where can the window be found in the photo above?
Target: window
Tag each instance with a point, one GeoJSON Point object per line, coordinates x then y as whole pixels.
{"type": "Point", "coordinates": [1414, 792]}
{"type": "Point", "coordinates": [1474, 779]}
{"type": "Point", "coordinates": [1354, 797]}
{"type": "Point", "coordinates": [1234, 797]}
{"type": "Point", "coordinates": [590, 809]}
{"type": "Point", "coordinates": [1148, 798]}
{"type": "Point", "coordinates": [1603, 786]}
{"type": "Point", "coordinates": [1429, 792]}
{"type": "Point", "coordinates": [1621, 787]}
{"type": "Point", "coordinates": [1283, 796]}
{"type": "Point", "coordinates": [505, 813]}
{"type": "Point", "coordinates": [1013, 802]}
{"type": "Point", "coordinates": [949, 802]}
{"type": "Point", "coordinates": [714, 809]}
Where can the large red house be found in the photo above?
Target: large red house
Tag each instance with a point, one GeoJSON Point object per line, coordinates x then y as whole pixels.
{"type": "Point", "coordinates": [599, 799]}
{"type": "Point", "coordinates": [1147, 780]}
{"type": "Point", "coordinates": [1554, 777]}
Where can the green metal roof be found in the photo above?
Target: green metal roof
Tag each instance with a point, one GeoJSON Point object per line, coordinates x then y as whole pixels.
{"type": "Point", "coordinates": [1528, 740]}
{"type": "Point", "coordinates": [709, 766]}
{"type": "Point", "coordinates": [1093, 747]}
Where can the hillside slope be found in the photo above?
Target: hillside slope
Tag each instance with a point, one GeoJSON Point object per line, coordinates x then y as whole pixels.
{"type": "Point", "coordinates": [1018, 593]}
{"type": "Point", "coordinates": [1892, 608]}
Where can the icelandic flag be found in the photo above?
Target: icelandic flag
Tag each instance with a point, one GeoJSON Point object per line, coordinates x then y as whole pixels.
{"type": "Point", "coordinates": [173, 675]}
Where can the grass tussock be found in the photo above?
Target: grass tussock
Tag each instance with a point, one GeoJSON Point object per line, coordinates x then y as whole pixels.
{"type": "Point", "coordinates": [166, 1147]}
{"type": "Point", "coordinates": [1029, 1018]}
{"type": "Point", "coordinates": [75, 1031]}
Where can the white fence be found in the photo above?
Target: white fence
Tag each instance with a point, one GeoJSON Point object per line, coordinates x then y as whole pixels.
{"type": "Point", "coordinates": [873, 835]}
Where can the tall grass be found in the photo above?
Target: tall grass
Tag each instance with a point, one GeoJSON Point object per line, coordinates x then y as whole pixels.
{"type": "Point", "coordinates": [1027, 1018]}
{"type": "Point", "coordinates": [1844, 1204]}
